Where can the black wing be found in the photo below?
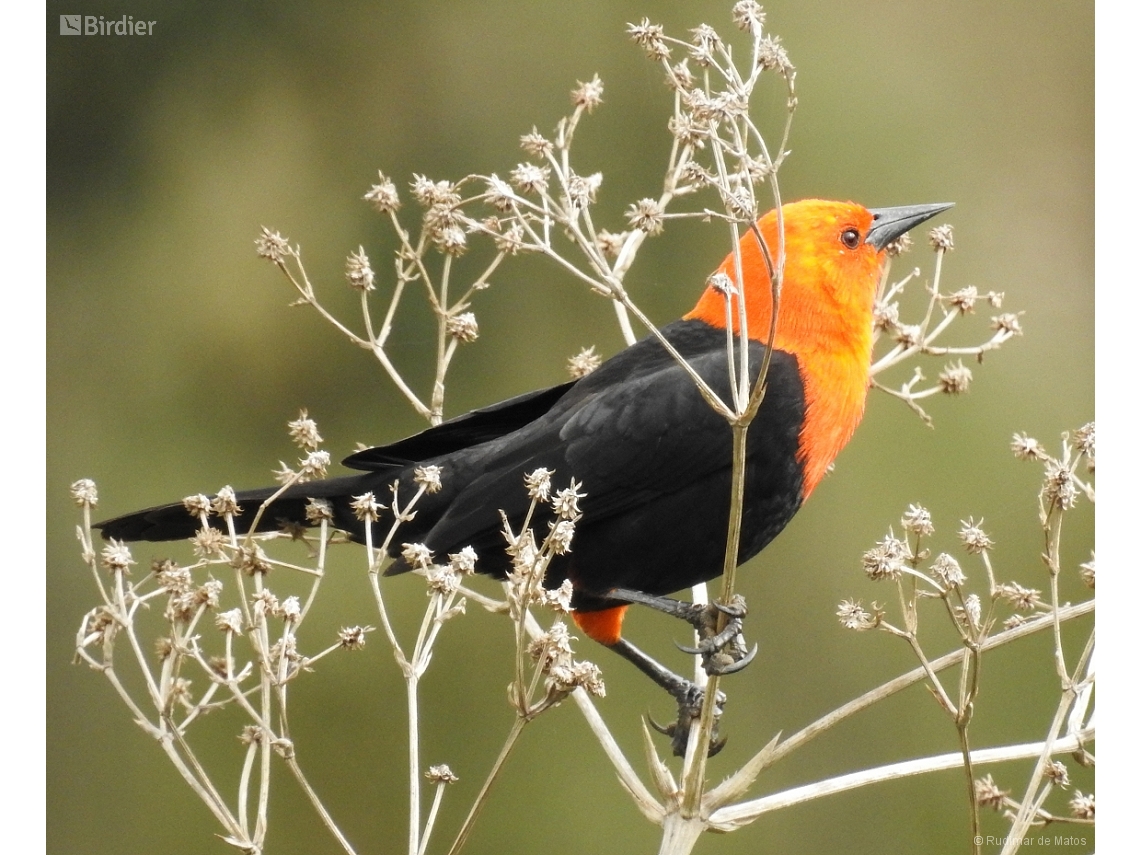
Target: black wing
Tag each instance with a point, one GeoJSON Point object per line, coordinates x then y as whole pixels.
{"type": "Point", "coordinates": [473, 428]}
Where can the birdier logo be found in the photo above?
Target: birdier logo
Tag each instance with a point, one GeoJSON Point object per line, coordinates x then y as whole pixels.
{"type": "Point", "coordinates": [97, 25]}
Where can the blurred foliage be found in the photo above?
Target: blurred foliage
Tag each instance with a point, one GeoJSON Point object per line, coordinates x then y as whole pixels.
{"type": "Point", "coordinates": [173, 364]}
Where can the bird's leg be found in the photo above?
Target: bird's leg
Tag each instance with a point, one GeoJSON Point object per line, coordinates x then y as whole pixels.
{"type": "Point", "coordinates": [689, 696]}
{"type": "Point", "coordinates": [722, 652]}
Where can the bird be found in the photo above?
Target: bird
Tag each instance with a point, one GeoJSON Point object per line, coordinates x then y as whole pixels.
{"type": "Point", "coordinates": [652, 458]}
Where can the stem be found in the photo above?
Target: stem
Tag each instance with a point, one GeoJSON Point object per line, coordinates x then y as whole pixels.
{"type": "Point", "coordinates": [413, 764]}
{"type": "Point", "coordinates": [738, 815]}
{"type": "Point", "coordinates": [481, 799]}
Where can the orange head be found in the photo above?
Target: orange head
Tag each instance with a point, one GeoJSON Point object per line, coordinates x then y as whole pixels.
{"type": "Point", "coordinates": [833, 259]}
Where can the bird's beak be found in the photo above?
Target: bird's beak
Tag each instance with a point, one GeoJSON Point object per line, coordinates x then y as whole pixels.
{"type": "Point", "coordinates": [890, 223]}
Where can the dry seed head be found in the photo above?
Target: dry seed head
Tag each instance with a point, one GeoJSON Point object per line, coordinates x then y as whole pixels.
{"type": "Point", "coordinates": [582, 190]}
{"type": "Point", "coordinates": [1013, 622]}
{"type": "Point", "coordinates": [886, 317]}
{"type": "Point", "coordinates": [84, 493]}
{"type": "Point", "coordinates": [903, 243]}
{"type": "Point", "coordinates": [353, 637]}
{"type": "Point", "coordinates": [749, 16]}
{"type": "Point", "coordinates": [1056, 772]}
{"type": "Point", "coordinates": [250, 558]}
{"type": "Point", "coordinates": [583, 362]}
{"type": "Point", "coordinates": [972, 607]}
{"type": "Point", "coordinates": [318, 511]}
{"type": "Point", "coordinates": [291, 609]}
{"type": "Point", "coordinates": [383, 196]}
{"type": "Point", "coordinates": [209, 542]}
{"type": "Point", "coordinates": [98, 625]}
{"type": "Point", "coordinates": [1059, 488]}
{"type": "Point", "coordinates": [942, 237]}
{"type": "Point", "coordinates": [433, 194]}
{"type": "Point", "coordinates": [225, 503]}
{"type": "Point", "coordinates": [358, 271]}
{"type": "Point", "coordinates": [681, 78]}
{"type": "Point", "coordinates": [722, 284]}
{"type": "Point", "coordinates": [428, 477]}
{"type": "Point", "coordinates": [1009, 323]}
{"type": "Point", "coordinates": [647, 216]}
{"type": "Point", "coordinates": [524, 555]}
{"type": "Point", "coordinates": [440, 775]}
{"type": "Point", "coordinates": [535, 144]}
{"type": "Point", "coordinates": [442, 580]}
{"type": "Point", "coordinates": [963, 300]}
{"type": "Point", "coordinates": [511, 240]}
{"type": "Point", "coordinates": [163, 647]}
{"type": "Point", "coordinates": [955, 379]}
{"type": "Point", "coordinates": [773, 57]}
{"type": "Point", "coordinates": [948, 571]}
{"type": "Point", "coordinates": [463, 561]}
{"type": "Point", "coordinates": [499, 194]}
{"type": "Point", "coordinates": [463, 327]}
{"type": "Point", "coordinates": [989, 793]}
{"type": "Point", "coordinates": [251, 734]}
{"type": "Point", "coordinates": [180, 607]}
{"type": "Point", "coordinates": [917, 520]}
{"type": "Point", "coordinates": [1025, 447]}
{"type": "Point", "coordinates": [588, 95]}
{"type": "Point", "coordinates": [1085, 439]}
{"type": "Point", "coordinates": [1022, 599]}
{"type": "Point", "coordinates": [116, 557]}
{"type": "Point", "coordinates": [560, 537]}
{"type": "Point", "coordinates": [272, 245]}
{"type": "Point", "coordinates": [551, 649]}
{"type": "Point", "coordinates": [209, 593]}
{"type": "Point", "coordinates": [1083, 806]}
{"type": "Point", "coordinates": [452, 240]}
{"type": "Point", "coordinates": [230, 621]}
{"type": "Point", "coordinates": [265, 602]}
{"type": "Point", "coordinates": [695, 175]}
{"type": "Point", "coordinates": [531, 178]}
{"type": "Point", "coordinates": [559, 598]}
{"type": "Point", "coordinates": [417, 555]}
{"type": "Point", "coordinates": [611, 243]}
{"type": "Point", "coordinates": [651, 37]}
{"type": "Point", "coordinates": [852, 615]}
{"type": "Point", "coordinates": [197, 506]}
{"type": "Point", "coordinates": [366, 508]}
{"type": "Point", "coordinates": [908, 335]}
{"type": "Point", "coordinates": [973, 538]}
{"type": "Point", "coordinates": [538, 483]}
{"type": "Point", "coordinates": [285, 650]}
{"type": "Point", "coordinates": [1088, 572]}
{"type": "Point", "coordinates": [689, 131]}
{"type": "Point", "coordinates": [756, 168]}
{"type": "Point", "coordinates": [586, 675]}
{"type": "Point", "coordinates": [174, 579]}
{"type": "Point", "coordinates": [284, 474]}
{"type": "Point", "coordinates": [566, 501]}
{"type": "Point", "coordinates": [885, 559]}
{"type": "Point", "coordinates": [315, 465]}
{"type": "Point", "coordinates": [706, 38]}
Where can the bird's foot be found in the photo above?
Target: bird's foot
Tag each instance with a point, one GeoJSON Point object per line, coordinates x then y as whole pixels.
{"type": "Point", "coordinates": [690, 703]}
{"type": "Point", "coordinates": [724, 651]}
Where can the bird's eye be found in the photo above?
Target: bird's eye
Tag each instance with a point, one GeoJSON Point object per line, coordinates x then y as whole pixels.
{"type": "Point", "coordinates": [850, 238]}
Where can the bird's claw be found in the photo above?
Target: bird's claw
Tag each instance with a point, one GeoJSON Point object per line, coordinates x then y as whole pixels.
{"type": "Point", "coordinates": [723, 652]}
{"type": "Point", "coordinates": [690, 702]}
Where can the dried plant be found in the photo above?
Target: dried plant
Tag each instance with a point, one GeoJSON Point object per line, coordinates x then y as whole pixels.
{"type": "Point", "coordinates": [718, 169]}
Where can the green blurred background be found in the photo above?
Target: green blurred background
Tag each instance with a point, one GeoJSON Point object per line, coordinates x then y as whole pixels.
{"type": "Point", "coordinates": [174, 362]}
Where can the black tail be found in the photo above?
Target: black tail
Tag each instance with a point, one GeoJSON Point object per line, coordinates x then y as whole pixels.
{"type": "Point", "coordinates": [174, 521]}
